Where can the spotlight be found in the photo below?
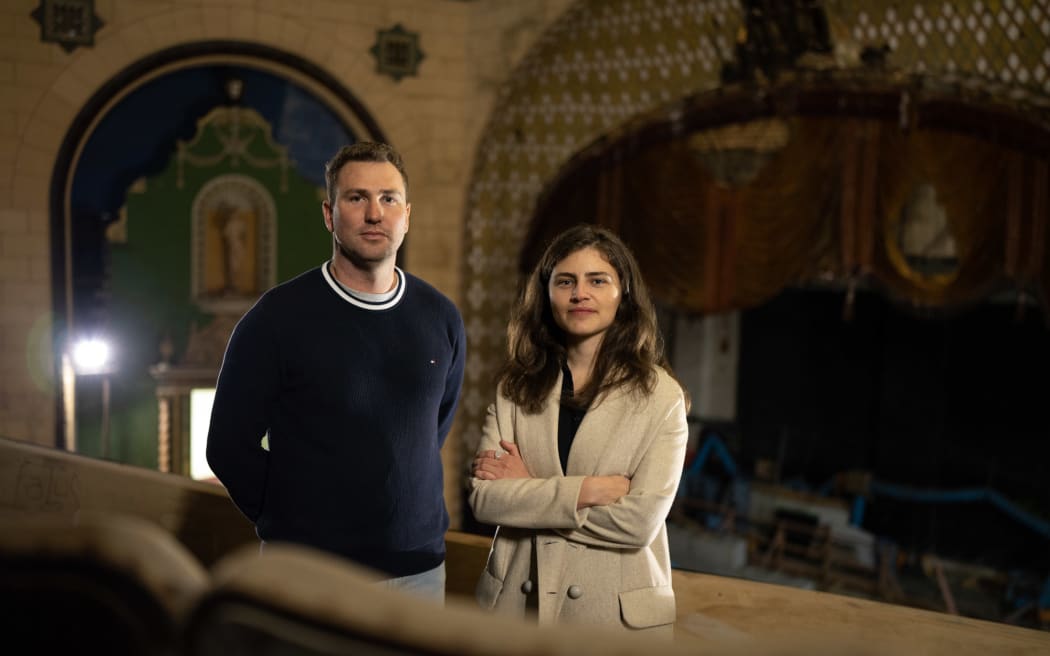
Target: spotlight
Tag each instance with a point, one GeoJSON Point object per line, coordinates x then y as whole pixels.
{"type": "Point", "coordinates": [91, 356]}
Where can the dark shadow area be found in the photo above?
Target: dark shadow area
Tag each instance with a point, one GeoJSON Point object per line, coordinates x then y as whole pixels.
{"type": "Point", "coordinates": [944, 402]}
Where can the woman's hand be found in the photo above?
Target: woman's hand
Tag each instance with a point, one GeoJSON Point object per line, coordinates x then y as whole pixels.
{"type": "Point", "coordinates": [503, 463]}
{"type": "Point", "coordinates": [602, 490]}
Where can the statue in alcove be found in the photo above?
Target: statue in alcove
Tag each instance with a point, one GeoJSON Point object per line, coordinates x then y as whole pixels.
{"type": "Point", "coordinates": [233, 224]}
{"type": "Point", "coordinates": [233, 219]}
{"type": "Point", "coordinates": [924, 235]}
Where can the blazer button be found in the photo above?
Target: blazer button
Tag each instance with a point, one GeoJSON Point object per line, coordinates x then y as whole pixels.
{"type": "Point", "coordinates": [526, 587]}
{"type": "Point", "coordinates": [575, 592]}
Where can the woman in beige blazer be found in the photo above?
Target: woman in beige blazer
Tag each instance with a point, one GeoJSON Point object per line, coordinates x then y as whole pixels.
{"type": "Point", "coordinates": [583, 448]}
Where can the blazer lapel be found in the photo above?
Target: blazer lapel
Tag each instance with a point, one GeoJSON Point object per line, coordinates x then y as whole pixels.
{"type": "Point", "coordinates": [537, 437]}
{"type": "Point", "coordinates": [596, 434]}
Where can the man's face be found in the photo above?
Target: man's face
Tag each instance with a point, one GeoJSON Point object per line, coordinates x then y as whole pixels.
{"type": "Point", "coordinates": [369, 217]}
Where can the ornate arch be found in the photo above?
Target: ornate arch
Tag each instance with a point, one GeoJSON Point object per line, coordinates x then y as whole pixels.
{"type": "Point", "coordinates": [95, 103]}
{"type": "Point", "coordinates": [605, 63]}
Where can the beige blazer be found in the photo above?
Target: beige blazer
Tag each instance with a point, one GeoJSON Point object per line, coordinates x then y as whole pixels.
{"type": "Point", "coordinates": [604, 565]}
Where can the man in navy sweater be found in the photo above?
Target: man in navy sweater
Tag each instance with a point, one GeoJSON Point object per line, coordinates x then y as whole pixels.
{"type": "Point", "coordinates": [338, 389]}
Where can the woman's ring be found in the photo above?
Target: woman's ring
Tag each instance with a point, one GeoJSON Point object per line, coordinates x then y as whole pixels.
{"type": "Point", "coordinates": [496, 455]}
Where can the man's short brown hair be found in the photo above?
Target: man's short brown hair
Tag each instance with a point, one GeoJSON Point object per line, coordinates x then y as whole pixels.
{"type": "Point", "coordinates": [362, 151]}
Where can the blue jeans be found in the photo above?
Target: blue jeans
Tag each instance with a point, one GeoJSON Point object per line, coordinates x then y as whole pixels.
{"type": "Point", "coordinates": [428, 585]}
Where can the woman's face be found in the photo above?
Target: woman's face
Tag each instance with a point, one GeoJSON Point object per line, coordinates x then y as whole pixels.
{"type": "Point", "coordinates": [584, 292]}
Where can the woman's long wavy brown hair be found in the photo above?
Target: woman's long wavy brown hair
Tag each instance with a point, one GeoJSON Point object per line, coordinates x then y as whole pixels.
{"type": "Point", "coordinates": [630, 350]}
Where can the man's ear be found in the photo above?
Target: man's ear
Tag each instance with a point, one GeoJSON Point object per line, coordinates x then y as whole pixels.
{"type": "Point", "coordinates": [408, 216]}
{"type": "Point", "coordinates": [326, 214]}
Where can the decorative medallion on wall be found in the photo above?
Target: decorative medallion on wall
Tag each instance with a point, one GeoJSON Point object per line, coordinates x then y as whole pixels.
{"type": "Point", "coordinates": [234, 246]}
{"type": "Point", "coordinates": [233, 135]}
{"type": "Point", "coordinates": [734, 154]}
{"type": "Point", "coordinates": [69, 23]}
{"type": "Point", "coordinates": [920, 242]}
{"type": "Point", "coordinates": [397, 52]}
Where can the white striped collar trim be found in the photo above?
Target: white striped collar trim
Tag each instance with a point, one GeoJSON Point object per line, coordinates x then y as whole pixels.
{"type": "Point", "coordinates": [384, 305]}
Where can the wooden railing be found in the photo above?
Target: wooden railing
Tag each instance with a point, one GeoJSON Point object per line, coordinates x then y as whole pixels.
{"type": "Point", "coordinates": [716, 614]}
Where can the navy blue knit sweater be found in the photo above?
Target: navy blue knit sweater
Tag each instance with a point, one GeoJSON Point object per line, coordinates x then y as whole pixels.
{"type": "Point", "coordinates": [357, 399]}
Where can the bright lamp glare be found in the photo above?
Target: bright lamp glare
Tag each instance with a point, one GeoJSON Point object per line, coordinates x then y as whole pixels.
{"type": "Point", "coordinates": [200, 420]}
{"type": "Point", "coordinates": [90, 356]}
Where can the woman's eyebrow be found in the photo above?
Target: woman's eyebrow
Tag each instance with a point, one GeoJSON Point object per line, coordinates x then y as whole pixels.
{"type": "Point", "coordinates": [586, 274]}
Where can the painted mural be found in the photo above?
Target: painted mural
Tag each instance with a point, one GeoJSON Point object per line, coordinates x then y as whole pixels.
{"type": "Point", "coordinates": [195, 246]}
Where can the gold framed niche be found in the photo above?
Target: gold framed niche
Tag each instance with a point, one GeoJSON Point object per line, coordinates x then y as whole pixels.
{"type": "Point", "coordinates": [920, 241]}
{"type": "Point", "coordinates": [234, 244]}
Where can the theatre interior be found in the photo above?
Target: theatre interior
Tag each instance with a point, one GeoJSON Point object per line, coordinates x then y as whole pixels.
{"type": "Point", "coordinates": [841, 209]}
